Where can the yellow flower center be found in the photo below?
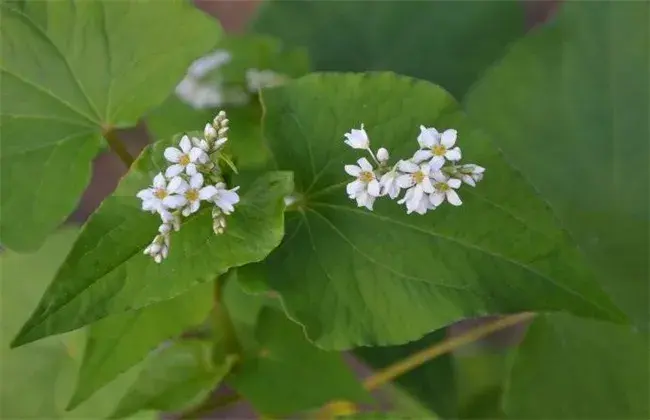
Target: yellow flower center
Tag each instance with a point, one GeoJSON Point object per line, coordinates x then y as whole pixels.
{"type": "Point", "coordinates": [366, 176]}
{"type": "Point", "coordinates": [160, 193]}
{"type": "Point", "coordinates": [418, 177]}
{"type": "Point", "coordinates": [192, 194]}
{"type": "Point", "coordinates": [439, 150]}
{"type": "Point", "coordinates": [441, 186]}
{"type": "Point", "coordinates": [184, 160]}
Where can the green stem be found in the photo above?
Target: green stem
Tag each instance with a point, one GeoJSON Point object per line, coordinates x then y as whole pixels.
{"type": "Point", "coordinates": [117, 146]}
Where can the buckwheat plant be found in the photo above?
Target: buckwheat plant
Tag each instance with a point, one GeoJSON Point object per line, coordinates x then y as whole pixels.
{"type": "Point", "coordinates": [192, 178]}
{"type": "Point", "coordinates": [430, 177]}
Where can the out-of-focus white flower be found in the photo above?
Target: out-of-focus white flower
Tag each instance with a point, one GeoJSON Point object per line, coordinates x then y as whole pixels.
{"type": "Point", "coordinates": [358, 139]}
{"type": "Point", "coordinates": [204, 65]}
{"type": "Point", "coordinates": [382, 155]}
{"type": "Point", "coordinates": [199, 95]}
{"type": "Point", "coordinates": [471, 174]}
{"type": "Point", "coordinates": [184, 158]}
{"type": "Point", "coordinates": [366, 187]}
{"type": "Point", "coordinates": [445, 189]}
{"type": "Point", "coordinates": [416, 178]}
{"type": "Point", "coordinates": [225, 198]}
{"type": "Point", "coordinates": [437, 147]}
{"type": "Point", "coordinates": [259, 79]}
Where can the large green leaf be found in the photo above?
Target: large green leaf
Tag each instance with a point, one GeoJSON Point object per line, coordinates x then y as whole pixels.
{"type": "Point", "coordinates": [569, 106]}
{"type": "Point", "coordinates": [106, 273]}
{"type": "Point", "coordinates": [173, 379]}
{"type": "Point", "coordinates": [118, 342]}
{"type": "Point", "coordinates": [447, 42]}
{"type": "Point", "coordinates": [571, 368]}
{"type": "Point", "coordinates": [84, 67]}
{"type": "Point", "coordinates": [37, 379]}
{"type": "Point", "coordinates": [355, 277]}
{"type": "Point", "coordinates": [287, 373]}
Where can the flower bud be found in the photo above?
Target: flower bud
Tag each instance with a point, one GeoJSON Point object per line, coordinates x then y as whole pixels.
{"type": "Point", "coordinates": [210, 132]}
{"type": "Point", "coordinates": [382, 155]}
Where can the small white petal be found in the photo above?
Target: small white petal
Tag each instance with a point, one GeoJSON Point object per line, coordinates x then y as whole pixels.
{"type": "Point", "coordinates": [230, 196]}
{"type": "Point", "coordinates": [207, 193]}
{"type": "Point", "coordinates": [453, 154]}
{"type": "Point", "coordinates": [382, 154]}
{"type": "Point", "coordinates": [453, 198]}
{"type": "Point", "coordinates": [174, 201]}
{"type": "Point", "coordinates": [185, 144]}
{"type": "Point", "coordinates": [159, 181]}
{"type": "Point", "coordinates": [407, 166]}
{"type": "Point", "coordinates": [436, 163]}
{"type": "Point", "coordinates": [357, 139]}
{"type": "Point", "coordinates": [146, 194]}
{"type": "Point", "coordinates": [437, 198]}
{"type": "Point", "coordinates": [418, 192]}
{"type": "Point", "coordinates": [373, 188]}
{"type": "Point", "coordinates": [186, 211]}
{"type": "Point", "coordinates": [427, 137]}
{"type": "Point", "coordinates": [176, 185]}
{"type": "Point", "coordinates": [422, 155]}
{"type": "Point", "coordinates": [194, 206]}
{"type": "Point", "coordinates": [364, 164]}
{"type": "Point", "coordinates": [174, 170]}
{"type": "Point", "coordinates": [209, 131]}
{"type": "Point", "coordinates": [190, 169]}
{"type": "Point", "coordinates": [352, 170]}
{"type": "Point", "coordinates": [439, 176]}
{"type": "Point", "coordinates": [165, 215]}
{"type": "Point", "coordinates": [196, 181]}
{"type": "Point", "coordinates": [469, 180]}
{"type": "Point", "coordinates": [195, 154]}
{"type": "Point", "coordinates": [478, 169]}
{"type": "Point", "coordinates": [172, 154]}
{"type": "Point", "coordinates": [448, 138]}
{"type": "Point", "coordinates": [454, 182]}
{"type": "Point", "coordinates": [354, 187]}
{"type": "Point", "coordinates": [405, 181]}
{"type": "Point", "coordinates": [427, 187]}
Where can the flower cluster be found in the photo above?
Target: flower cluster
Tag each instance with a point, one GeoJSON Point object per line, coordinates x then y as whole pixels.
{"type": "Point", "coordinates": [203, 85]}
{"type": "Point", "coordinates": [430, 177]}
{"type": "Point", "coordinates": [192, 177]}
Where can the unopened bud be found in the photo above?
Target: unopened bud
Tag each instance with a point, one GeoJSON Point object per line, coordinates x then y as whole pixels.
{"type": "Point", "coordinates": [382, 155]}
{"type": "Point", "coordinates": [222, 131]}
{"type": "Point", "coordinates": [219, 143]}
{"type": "Point", "coordinates": [210, 132]}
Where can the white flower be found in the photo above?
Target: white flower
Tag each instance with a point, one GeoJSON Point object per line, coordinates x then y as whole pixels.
{"type": "Point", "coordinates": [204, 65]}
{"type": "Point", "coordinates": [366, 187]}
{"type": "Point", "coordinates": [420, 206]}
{"type": "Point", "coordinates": [258, 79]}
{"type": "Point", "coordinates": [156, 198]}
{"type": "Point", "coordinates": [382, 155]}
{"type": "Point", "coordinates": [199, 95]}
{"type": "Point", "coordinates": [388, 183]}
{"type": "Point", "coordinates": [357, 139]}
{"type": "Point", "coordinates": [159, 248]}
{"type": "Point", "coordinates": [416, 178]}
{"type": "Point", "coordinates": [445, 189]}
{"type": "Point", "coordinates": [471, 174]}
{"type": "Point", "coordinates": [185, 158]}
{"type": "Point", "coordinates": [437, 147]}
{"type": "Point", "coordinates": [225, 199]}
{"type": "Point", "coordinates": [193, 194]}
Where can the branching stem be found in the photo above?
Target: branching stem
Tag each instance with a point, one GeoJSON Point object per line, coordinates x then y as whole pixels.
{"type": "Point", "coordinates": [117, 146]}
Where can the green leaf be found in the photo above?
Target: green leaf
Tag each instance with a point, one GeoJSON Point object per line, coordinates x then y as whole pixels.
{"type": "Point", "coordinates": [106, 272]}
{"type": "Point", "coordinates": [571, 368]}
{"type": "Point", "coordinates": [116, 343]}
{"type": "Point", "coordinates": [569, 107]}
{"type": "Point", "coordinates": [433, 383]}
{"type": "Point", "coordinates": [247, 51]}
{"type": "Point", "coordinates": [385, 277]}
{"type": "Point", "coordinates": [288, 374]}
{"type": "Point", "coordinates": [173, 379]}
{"type": "Point", "coordinates": [37, 379]}
{"type": "Point", "coordinates": [59, 94]}
{"type": "Point", "coordinates": [449, 43]}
